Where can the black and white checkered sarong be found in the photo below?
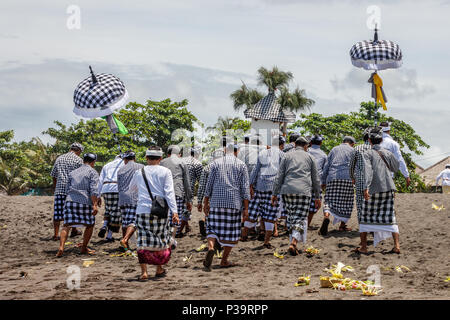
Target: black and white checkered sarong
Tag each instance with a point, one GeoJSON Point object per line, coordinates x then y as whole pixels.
{"type": "Point", "coordinates": [339, 198]}
{"type": "Point", "coordinates": [78, 213]}
{"type": "Point", "coordinates": [58, 207]}
{"type": "Point", "coordinates": [128, 213]}
{"type": "Point", "coordinates": [182, 211]}
{"type": "Point", "coordinates": [225, 224]}
{"type": "Point", "coordinates": [112, 211]}
{"type": "Point", "coordinates": [312, 208]}
{"type": "Point", "coordinates": [153, 233]}
{"type": "Point", "coordinates": [297, 209]}
{"type": "Point", "coordinates": [379, 209]}
{"type": "Point", "coordinates": [261, 206]}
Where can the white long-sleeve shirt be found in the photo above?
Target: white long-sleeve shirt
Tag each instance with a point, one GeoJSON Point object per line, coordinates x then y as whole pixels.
{"type": "Point", "coordinates": [390, 145]}
{"type": "Point", "coordinates": [445, 176]}
{"type": "Point", "coordinates": [160, 182]}
{"type": "Point", "coordinates": [108, 176]}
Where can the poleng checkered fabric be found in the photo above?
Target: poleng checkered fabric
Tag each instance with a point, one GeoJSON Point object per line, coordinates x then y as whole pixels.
{"type": "Point", "coordinates": [339, 198]}
{"type": "Point", "coordinates": [228, 183]}
{"type": "Point", "coordinates": [152, 232]}
{"type": "Point", "coordinates": [297, 209]}
{"type": "Point", "coordinates": [379, 55]}
{"type": "Point", "coordinates": [312, 208]}
{"type": "Point", "coordinates": [78, 213]}
{"type": "Point", "coordinates": [379, 209]}
{"type": "Point", "coordinates": [105, 92]}
{"type": "Point", "coordinates": [63, 166]}
{"type": "Point", "coordinates": [269, 109]}
{"type": "Point", "coordinates": [261, 206]}
{"type": "Point", "coordinates": [58, 207]}
{"type": "Point", "coordinates": [111, 205]}
{"type": "Point", "coordinates": [225, 223]}
{"type": "Point", "coordinates": [128, 213]}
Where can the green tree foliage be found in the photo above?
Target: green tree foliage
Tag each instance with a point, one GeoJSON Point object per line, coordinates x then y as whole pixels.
{"type": "Point", "coordinates": [147, 124]}
{"type": "Point", "coordinates": [335, 127]}
{"type": "Point", "coordinates": [27, 164]}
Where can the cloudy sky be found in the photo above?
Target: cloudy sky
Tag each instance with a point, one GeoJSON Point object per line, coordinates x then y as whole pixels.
{"type": "Point", "coordinates": [202, 49]}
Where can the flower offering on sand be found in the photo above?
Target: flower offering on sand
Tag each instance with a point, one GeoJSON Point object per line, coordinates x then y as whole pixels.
{"type": "Point", "coordinates": [303, 281]}
{"type": "Point", "coordinates": [311, 251]}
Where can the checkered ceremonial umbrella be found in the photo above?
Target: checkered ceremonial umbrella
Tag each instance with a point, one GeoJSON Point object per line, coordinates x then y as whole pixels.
{"type": "Point", "coordinates": [269, 109]}
{"type": "Point", "coordinates": [376, 55]}
{"type": "Point", "coordinates": [99, 96]}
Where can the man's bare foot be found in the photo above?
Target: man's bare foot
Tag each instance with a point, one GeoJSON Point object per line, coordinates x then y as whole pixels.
{"type": "Point", "coordinates": [228, 264]}
{"type": "Point", "coordinates": [59, 253]}
{"type": "Point", "coordinates": [344, 228]}
{"type": "Point", "coordinates": [143, 278]}
{"type": "Point", "coordinates": [124, 245]}
{"type": "Point", "coordinates": [87, 251]}
{"type": "Point", "coordinates": [360, 250]}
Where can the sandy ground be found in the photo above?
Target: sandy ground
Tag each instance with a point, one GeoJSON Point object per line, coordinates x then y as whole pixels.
{"type": "Point", "coordinates": [29, 269]}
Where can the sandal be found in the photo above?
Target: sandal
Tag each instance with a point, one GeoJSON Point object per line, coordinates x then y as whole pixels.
{"type": "Point", "coordinates": [345, 228]}
{"type": "Point", "coordinates": [162, 274]}
{"type": "Point", "coordinates": [267, 246]}
{"type": "Point", "coordinates": [123, 246]}
{"type": "Point", "coordinates": [358, 251]}
{"type": "Point", "coordinates": [393, 250]}
{"type": "Point", "coordinates": [324, 228]}
{"type": "Point", "coordinates": [293, 250]}
{"type": "Point", "coordinates": [56, 238]}
{"type": "Point", "coordinates": [208, 259]}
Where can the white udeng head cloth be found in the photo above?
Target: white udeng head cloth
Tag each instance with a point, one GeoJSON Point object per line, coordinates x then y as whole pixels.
{"type": "Point", "coordinates": [154, 153]}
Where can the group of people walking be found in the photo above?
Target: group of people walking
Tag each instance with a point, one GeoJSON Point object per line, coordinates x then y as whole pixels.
{"type": "Point", "coordinates": [244, 190]}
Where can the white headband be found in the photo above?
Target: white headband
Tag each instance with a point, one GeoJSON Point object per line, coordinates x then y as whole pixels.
{"type": "Point", "coordinates": [386, 128]}
{"type": "Point", "coordinates": [154, 153]}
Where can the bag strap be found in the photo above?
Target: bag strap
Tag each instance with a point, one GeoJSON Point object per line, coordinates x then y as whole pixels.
{"type": "Point", "coordinates": [384, 160]}
{"type": "Point", "coordinates": [146, 183]}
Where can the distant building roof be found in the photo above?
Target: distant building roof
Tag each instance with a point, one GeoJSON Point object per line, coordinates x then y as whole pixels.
{"type": "Point", "coordinates": [429, 175]}
{"type": "Point", "coordinates": [269, 109]}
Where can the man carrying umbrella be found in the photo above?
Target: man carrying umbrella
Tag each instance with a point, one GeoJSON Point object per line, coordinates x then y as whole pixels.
{"type": "Point", "coordinates": [63, 166]}
{"type": "Point", "coordinates": [108, 189]}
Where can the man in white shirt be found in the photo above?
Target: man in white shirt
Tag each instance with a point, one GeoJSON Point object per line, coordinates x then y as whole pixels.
{"type": "Point", "coordinates": [154, 239]}
{"type": "Point", "coordinates": [107, 187]}
{"type": "Point", "coordinates": [445, 176]}
{"type": "Point", "coordinates": [392, 146]}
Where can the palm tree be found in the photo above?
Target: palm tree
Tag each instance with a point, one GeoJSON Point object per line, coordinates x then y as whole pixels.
{"type": "Point", "coordinates": [275, 80]}
{"type": "Point", "coordinates": [223, 124]}
{"type": "Point", "coordinates": [11, 177]}
{"type": "Point", "coordinates": [245, 97]}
